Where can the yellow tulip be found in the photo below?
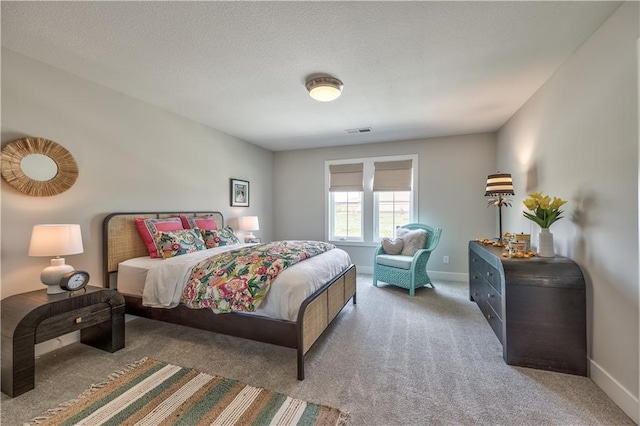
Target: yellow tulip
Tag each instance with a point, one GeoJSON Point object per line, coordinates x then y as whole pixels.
{"type": "Point", "coordinates": [530, 203]}
{"type": "Point", "coordinates": [536, 195]}
{"type": "Point", "coordinates": [557, 203]}
{"type": "Point", "coordinates": [544, 202]}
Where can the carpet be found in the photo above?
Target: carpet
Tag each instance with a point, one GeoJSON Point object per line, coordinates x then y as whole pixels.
{"type": "Point", "coordinates": [151, 392]}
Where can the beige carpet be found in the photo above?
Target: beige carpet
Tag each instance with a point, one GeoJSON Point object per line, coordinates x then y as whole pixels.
{"type": "Point", "coordinates": [389, 360]}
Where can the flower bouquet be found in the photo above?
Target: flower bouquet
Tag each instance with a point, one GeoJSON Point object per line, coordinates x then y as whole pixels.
{"type": "Point", "coordinates": [545, 210]}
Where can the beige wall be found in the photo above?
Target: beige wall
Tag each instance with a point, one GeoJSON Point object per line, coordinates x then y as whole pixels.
{"type": "Point", "coordinates": [132, 156]}
{"type": "Point", "coordinates": [452, 177]}
{"type": "Point", "coordinates": [577, 138]}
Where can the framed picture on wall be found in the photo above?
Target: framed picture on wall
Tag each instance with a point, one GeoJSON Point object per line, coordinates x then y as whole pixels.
{"type": "Point", "coordinates": [239, 193]}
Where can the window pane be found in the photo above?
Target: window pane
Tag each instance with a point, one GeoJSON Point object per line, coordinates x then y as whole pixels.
{"type": "Point", "coordinates": [347, 215]}
{"type": "Point", "coordinates": [393, 211]}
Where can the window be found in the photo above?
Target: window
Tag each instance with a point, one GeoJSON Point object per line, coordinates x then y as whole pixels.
{"type": "Point", "coordinates": [369, 198]}
{"type": "Point", "coordinates": [392, 209]}
{"type": "Point", "coordinates": [346, 189]}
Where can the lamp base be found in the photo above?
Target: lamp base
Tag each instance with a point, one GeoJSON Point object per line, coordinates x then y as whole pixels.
{"type": "Point", "coordinates": [51, 275]}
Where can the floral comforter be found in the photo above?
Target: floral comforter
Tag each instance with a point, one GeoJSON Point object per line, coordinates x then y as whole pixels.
{"type": "Point", "coordinates": [238, 280]}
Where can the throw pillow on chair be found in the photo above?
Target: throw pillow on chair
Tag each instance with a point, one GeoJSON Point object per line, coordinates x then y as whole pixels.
{"type": "Point", "coordinates": [392, 246]}
{"type": "Point", "coordinates": [414, 240]}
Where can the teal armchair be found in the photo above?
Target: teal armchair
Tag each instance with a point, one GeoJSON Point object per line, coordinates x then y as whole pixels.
{"type": "Point", "coordinates": [408, 272]}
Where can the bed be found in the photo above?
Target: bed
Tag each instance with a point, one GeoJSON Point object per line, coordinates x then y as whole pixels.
{"type": "Point", "coordinates": [122, 244]}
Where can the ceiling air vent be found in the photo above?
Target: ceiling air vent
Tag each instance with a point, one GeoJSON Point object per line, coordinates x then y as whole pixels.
{"type": "Point", "coordinates": [361, 130]}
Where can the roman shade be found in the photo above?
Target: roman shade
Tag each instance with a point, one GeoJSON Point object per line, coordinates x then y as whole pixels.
{"type": "Point", "coordinates": [392, 175]}
{"type": "Point", "coordinates": [346, 177]}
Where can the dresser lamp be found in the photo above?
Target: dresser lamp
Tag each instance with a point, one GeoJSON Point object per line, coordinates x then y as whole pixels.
{"type": "Point", "coordinates": [55, 240]}
{"type": "Point", "coordinates": [498, 186]}
{"type": "Point", "coordinates": [249, 224]}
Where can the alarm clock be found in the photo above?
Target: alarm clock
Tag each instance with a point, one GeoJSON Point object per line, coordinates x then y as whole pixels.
{"type": "Point", "coordinates": [74, 280]}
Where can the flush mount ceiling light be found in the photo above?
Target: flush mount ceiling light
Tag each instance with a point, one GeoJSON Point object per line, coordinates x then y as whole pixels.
{"type": "Point", "coordinates": [324, 89]}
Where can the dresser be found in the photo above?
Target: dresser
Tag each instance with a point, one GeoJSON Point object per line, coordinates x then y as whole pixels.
{"type": "Point", "coordinates": [536, 308]}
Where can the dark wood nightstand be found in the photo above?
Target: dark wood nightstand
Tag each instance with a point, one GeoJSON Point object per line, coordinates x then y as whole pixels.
{"type": "Point", "coordinates": [36, 316]}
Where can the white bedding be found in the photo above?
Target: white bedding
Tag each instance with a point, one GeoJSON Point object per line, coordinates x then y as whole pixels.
{"type": "Point", "coordinates": [161, 281]}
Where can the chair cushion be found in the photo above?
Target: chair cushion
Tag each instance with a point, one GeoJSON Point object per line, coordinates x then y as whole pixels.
{"type": "Point", "coordinates": [395, 261]}
{"type": "Point", "coordinates": [392, 246]}
{"type": "Point", "coordinates": [414, 240]}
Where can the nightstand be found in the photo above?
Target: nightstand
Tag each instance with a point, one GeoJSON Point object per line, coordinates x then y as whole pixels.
{"type": "Point", "coordinates": [36, 316]}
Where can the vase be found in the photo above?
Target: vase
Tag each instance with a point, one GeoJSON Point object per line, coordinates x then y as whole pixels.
{"type": "Point", "coordinates": [545, 243]}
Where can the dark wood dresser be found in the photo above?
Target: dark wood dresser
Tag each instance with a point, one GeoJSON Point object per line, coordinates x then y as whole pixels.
{"type": "Point", "coordinates": [34, 317]}
{"type": "Point", "coordinates": [536, 307]}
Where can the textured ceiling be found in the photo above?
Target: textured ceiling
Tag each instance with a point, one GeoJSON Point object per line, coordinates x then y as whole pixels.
{"type": "Point", "coordinates": [410, 69]}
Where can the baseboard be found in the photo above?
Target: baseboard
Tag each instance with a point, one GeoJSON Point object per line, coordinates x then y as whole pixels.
{"type": "Point", "coordinates": [621, 396]}
{"type": "Point", "coordinates": [436, 275]}
{"type": "Point", "coordinates": [449, 276]}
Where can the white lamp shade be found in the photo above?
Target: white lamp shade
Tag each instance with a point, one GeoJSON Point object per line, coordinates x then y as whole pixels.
{"type": "Point", "coordinates": [55, 240]}
{"type": "Point", "coordinates": [249, 223]}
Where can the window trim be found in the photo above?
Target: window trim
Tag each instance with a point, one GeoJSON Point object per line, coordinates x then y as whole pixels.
{"type": "Point", "coordinates": [368, 219]}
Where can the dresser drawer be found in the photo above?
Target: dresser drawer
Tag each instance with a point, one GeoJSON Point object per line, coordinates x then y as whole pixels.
{"type": "Point", "coordinates": [494, 321]}
{"type": "Point", "coordinates": [494, 299]}
{"type": "Point", "coordinates": [477, 264]}
{"type": "Point", "coordinates": [68, 322]}
{"type": "Point", "coordinates": [492, 276]}
{"type": "Point", "coordinates": [476, 286]}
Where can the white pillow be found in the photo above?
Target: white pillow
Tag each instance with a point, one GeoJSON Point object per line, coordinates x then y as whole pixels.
{"type": "Point", "coordinates": [392, 246]}
{"type": "Point", "coordinates": [414, 240]}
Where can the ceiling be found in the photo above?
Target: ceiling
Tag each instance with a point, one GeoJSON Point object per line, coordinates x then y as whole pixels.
{"type": "Point", "coordinates": [410, 69]}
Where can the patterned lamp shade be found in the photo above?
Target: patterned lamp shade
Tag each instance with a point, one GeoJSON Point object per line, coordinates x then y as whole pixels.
{"type": "Point", "coordinates": [499, 184]}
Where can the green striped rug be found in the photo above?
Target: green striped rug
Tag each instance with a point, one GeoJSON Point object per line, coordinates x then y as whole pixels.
{"type": "Point", "coordinates": [151, 392]}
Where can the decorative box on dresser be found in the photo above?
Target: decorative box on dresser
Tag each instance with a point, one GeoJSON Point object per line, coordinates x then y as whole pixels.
{"type": "Point", "coordinates": [536, 307]}
{"type": "Point", "coordinates": [35, 317]}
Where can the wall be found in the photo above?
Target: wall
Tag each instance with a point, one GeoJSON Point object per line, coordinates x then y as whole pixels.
{"type": "Point", "coordinates": [132, 156]}
{"type": "Point", "coordinates": [577, 138]}
{"type": "Point", "coordinates": [452, 177]}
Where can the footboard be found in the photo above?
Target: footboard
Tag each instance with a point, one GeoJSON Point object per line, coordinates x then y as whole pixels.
{"type": "Point", "coordinates": [316, 313]}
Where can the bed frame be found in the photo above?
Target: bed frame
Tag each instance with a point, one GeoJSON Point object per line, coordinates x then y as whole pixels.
{"type": "Point", "coordinates": [121, 242]}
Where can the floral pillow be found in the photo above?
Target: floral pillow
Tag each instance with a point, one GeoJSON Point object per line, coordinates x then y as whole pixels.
{"type": "Point", "coordinates": [148, 227]}
{"type": "Point", "coordinates": [175, 243]}
{"type": "Point", "coordinates": [220, 237]}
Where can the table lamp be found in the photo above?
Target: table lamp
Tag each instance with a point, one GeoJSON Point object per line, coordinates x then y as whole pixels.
{"type": "Point", "coordinates": [55, 240]}
{"type": "Point", "coordinates": [249, 224]}
{"type": "Point", "coordinates": [499, 185]}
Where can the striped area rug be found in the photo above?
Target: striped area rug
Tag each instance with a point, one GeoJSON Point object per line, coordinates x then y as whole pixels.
{"type": "Point", "coordinates": [151, 392]}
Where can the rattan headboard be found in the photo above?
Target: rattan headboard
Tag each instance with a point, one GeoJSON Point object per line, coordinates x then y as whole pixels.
{"type": "Point", "coordinates": [121, 240]}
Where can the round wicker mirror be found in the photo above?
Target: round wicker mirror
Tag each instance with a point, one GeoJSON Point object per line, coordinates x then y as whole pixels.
{"type": "Point", "coordinates": [26, 167]}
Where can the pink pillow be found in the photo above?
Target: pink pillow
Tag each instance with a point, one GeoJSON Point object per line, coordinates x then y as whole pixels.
{"type": "Point", "coordinates": [203, 223]}
{"type": "Point", "coordinates": [147, 227]}
{"type": "Point", "coordinates": [185, 222]}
